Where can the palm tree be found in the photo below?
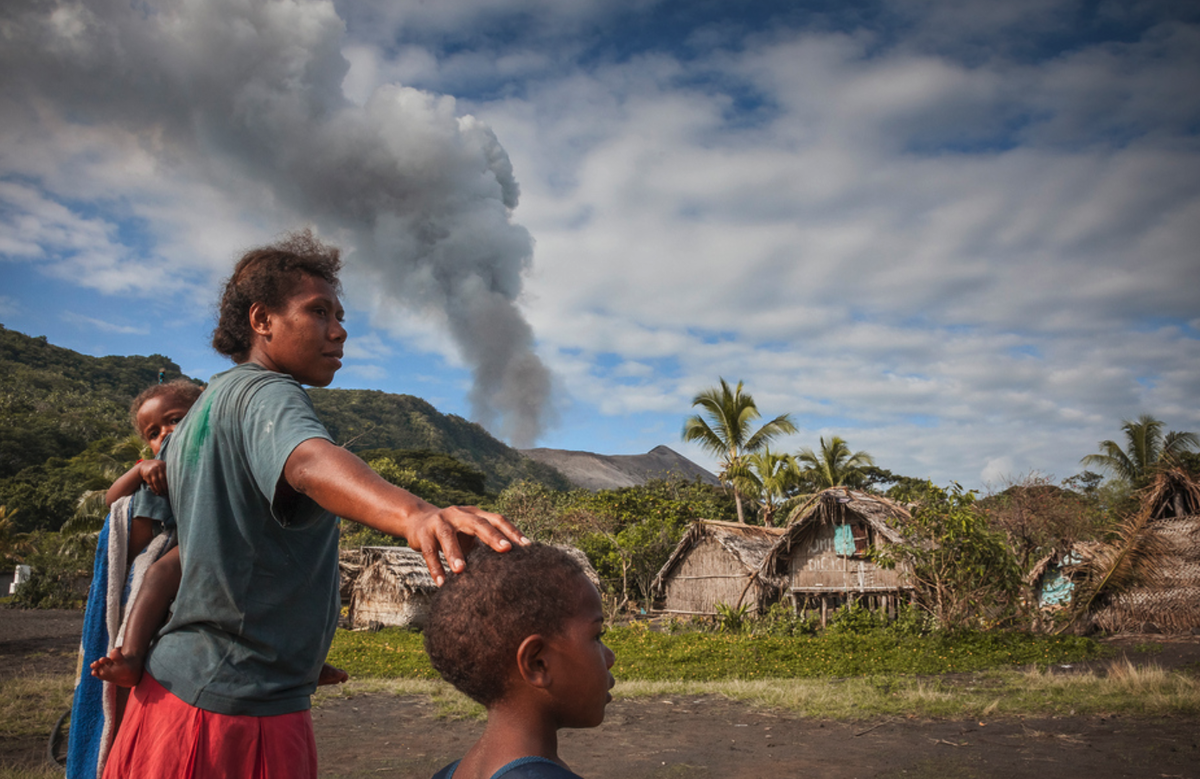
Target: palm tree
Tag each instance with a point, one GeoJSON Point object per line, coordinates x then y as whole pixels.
{"type": "Point", "coordinates": [1146, 449]}
{"type": "Point", "coordinates": [769, 479]}
{"type": "Point", "coordinates": [13, 546]}
{"type": "Point", "coordinates": [726, 432]}
{"type": "Point", "coordinates": [834, 466]}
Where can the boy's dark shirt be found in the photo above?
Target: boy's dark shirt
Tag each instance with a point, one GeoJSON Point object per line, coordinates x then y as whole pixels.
{"type": "Point", "coordinates": [523, 768]}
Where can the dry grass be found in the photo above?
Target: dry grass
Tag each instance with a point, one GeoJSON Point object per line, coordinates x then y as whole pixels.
{"type": "Point", "coordinates": [1126, 689]}
{"type": "Point", "coordinates": [30, 705]}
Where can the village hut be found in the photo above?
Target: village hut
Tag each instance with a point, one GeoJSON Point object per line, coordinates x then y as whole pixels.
{"type": "Point", "coordinates": [820, 561]}
{"type": "Point", "coordinates": [1165, 596]}
{"type": "Point", "coordinates": [716, 563]}
{"type": "Point", "coordinates": [349, 567]}
{"type": "Point", "coordinates": [392, 585]}
{"type": "Point", "coordinates": [1055, 577]}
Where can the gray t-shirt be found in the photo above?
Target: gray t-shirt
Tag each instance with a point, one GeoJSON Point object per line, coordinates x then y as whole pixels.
{"type": "Point", "coordinates": [258, 603]}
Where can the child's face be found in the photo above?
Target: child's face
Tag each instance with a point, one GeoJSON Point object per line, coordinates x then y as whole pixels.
{"type": "Point", "coordinates": [582, 688]}
{"type": "Point", "coordinates": [158, 416]}
{"type": "Point", "coordinates": [304, 339]}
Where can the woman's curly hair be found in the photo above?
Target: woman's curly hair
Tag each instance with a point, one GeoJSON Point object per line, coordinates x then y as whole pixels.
{"type": "Point", "coordinates": [268, 275]}
{"type": "Point", "coordinates": [479, 618]}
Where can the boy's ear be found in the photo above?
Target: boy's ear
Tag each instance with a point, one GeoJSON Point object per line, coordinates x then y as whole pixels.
{"type": "Point", "coordinates": [532, 661]}
{"type": "Point", "coordinates": [260, 319]}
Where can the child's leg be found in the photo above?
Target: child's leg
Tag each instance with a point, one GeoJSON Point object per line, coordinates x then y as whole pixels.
{"type": "Point", "coordinates": [123, 666]}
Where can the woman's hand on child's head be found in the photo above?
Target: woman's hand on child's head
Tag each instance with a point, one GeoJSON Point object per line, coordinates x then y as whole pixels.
{"type": "Point", "coordinates": [453, 532]}
{"type": "Point", "coordinates": [154, 475]}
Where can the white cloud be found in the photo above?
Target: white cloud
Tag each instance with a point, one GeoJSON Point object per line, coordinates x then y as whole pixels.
{"type": "Point", "coordinates": [961, 249]}
{"type": "Point", "coordinates": [103, 326]}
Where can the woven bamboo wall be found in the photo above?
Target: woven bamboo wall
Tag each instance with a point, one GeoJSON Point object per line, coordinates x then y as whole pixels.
{"type": "Point", "coordinates": [815, 567]}
{"type": "Point", "coordinates": [707, 576]}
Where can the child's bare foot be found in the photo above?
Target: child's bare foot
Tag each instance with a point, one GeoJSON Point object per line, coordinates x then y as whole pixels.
{"type": "Point", "coordinates": [331, 675]}
{"type": "Point", "coordinates": [117, 668]}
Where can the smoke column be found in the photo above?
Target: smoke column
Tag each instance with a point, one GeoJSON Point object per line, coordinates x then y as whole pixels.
{"type": "Point", "coordinates": [246, 95]}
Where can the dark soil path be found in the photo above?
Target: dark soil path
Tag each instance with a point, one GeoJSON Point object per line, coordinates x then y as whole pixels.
{"type": "Point", "coordinates": [372, 735]}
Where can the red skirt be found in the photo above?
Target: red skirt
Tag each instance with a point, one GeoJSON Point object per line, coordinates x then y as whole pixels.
{"type": "Point", "coordinates": [161, 736]}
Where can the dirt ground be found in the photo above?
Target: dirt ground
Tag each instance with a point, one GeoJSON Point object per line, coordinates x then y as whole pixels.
{"type": "Point", "coordinates": [372, 735]}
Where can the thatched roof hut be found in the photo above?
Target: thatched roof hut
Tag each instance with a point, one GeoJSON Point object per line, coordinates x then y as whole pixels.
{"type": "Point", "coordinates": [820, 561]}
{"type": "Point", "coordinates": [349, 567]}
{"type": "Point", "coordinates": [1166, 596]}
{"type": "Point", "coordinates": [393, 587]}
{"type": "Point", "coordinates": [716, 562]}
{"type": "Point", "coordinates": [1054, 577]}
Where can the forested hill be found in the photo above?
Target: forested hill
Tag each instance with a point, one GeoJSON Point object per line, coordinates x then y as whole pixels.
{"type": "Point", "coordinates": [370, 419]}
{"type": "Point", "coordinates": [56, 403]}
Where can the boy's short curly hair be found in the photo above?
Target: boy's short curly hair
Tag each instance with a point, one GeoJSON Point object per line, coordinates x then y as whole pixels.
{"type": "Point", "coordinates": [180, 389]}
{"type": "Point", "coordinates": [479, 618]}
{"type": "Point", "coordinates": [268, 275]}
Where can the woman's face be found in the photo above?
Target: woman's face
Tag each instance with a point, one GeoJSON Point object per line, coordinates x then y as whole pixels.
{"type": "Point", "coordinates": [304, 338]}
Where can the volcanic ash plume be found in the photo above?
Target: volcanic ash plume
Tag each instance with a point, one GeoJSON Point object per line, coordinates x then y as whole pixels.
{"type": "Point", "coordinates": [248, 95]}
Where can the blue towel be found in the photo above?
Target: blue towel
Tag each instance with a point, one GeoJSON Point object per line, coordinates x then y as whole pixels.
{"type": "Point", "coordinates": [93, 710]}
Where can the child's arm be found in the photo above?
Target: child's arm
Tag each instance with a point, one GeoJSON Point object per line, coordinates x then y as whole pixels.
{"type": "Point", "coordinates": [123, 666]}
{"type": "Point", "coordinates": [152, 473]}
{"type": "Point", "coordinates": [343, 484]}
{"type": "Point", "coordinates": [141, 533]}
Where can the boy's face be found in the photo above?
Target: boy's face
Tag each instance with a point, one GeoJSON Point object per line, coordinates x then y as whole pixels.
{"type": "Point", "coordinates": [158, 416]}
{"type": "Point", "coordinates": [581, 688]}
{"type": "Point", "coordinates": [304, 339]}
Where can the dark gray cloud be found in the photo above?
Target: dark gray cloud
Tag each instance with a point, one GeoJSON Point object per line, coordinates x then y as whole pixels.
{"type": "Point", "coordinates": [247, 98]}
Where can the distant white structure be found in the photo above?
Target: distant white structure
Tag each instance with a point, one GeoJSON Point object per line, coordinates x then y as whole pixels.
{"type": "Point", "coordinates": [21, 576]}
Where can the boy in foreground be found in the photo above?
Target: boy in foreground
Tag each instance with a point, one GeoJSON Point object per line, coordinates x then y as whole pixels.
{"type": "Point", "coordinates": [520, 633]}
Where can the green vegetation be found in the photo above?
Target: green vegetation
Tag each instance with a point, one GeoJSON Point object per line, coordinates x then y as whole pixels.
{"type": "Point", "coordinates": [365, 421]}
{"type": "Point", "coordinates": [55, 402]}
{"type": "Point", "coordinates": [62, 413]}
{"type": "Point", "coordinates": [627, 533]}
{"type": "Point", "coordinates": [1147, 448]}
{"type": "Point", "coordinates": [963, 571]}
{"type": "Point", "coordinates": [724, 428]}
{"type": "Point", "coordinates": [833, 466]}
{"type": "Point", "coordinates": [650, 655]}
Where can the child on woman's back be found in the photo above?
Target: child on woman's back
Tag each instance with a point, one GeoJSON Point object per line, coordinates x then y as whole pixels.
{"type": "Point", "coordinates": [155, 413]}
{"type": "Point", "coordinates": [520, 633]}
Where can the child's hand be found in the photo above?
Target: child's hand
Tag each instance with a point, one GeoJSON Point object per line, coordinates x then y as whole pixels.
{"type": "Point", "coordinates": [154, 475]}
{"type": "Point", "coordinates": [453, 531]}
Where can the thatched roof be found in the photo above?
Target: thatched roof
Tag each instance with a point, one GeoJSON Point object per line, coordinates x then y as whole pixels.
{"type": "Point", "coordinates": [404, 567]}
{"type": "Point", "coordinates": [1173, 493]}
{"type": "Point", "coordinates": [401, 565]}
{"type": "Point", "coordinates": [747, 545]}
{"type": "Point", "coordinates": [1165, 589]}
{"type": "Point", "coordinates": [836, 506]}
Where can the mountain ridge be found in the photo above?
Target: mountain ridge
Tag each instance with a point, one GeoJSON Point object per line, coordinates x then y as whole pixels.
{"type": "Point", "coordinates": [613, 471]}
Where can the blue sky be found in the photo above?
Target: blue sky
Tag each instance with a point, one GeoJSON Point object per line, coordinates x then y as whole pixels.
{"type": "Point", "coordinates": [961, 235]}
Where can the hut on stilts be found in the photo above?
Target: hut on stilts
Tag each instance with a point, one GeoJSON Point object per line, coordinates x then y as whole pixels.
{"type": "Point", "coordinates": [716, 563]}
{"type": "Point", "coordinates": [820, 562]}
{"type": "Point", "coordinates": [1163, 594]}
